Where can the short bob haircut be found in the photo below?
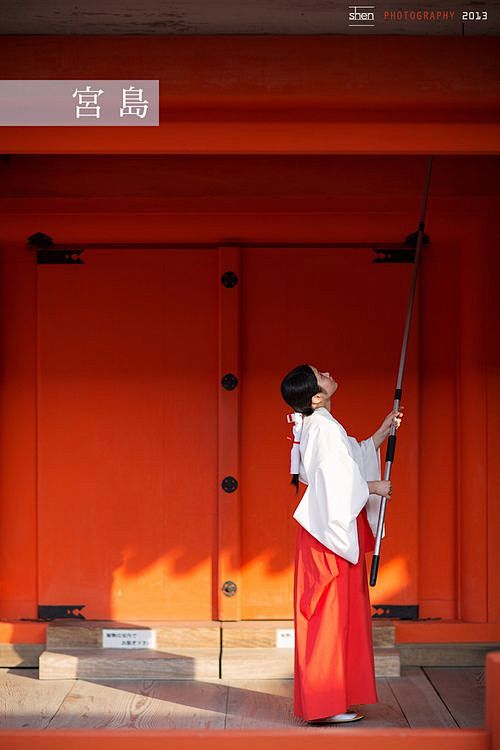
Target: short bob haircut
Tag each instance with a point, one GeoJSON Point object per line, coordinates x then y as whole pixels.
{"type": "Point", "coordinates": [298, 387]}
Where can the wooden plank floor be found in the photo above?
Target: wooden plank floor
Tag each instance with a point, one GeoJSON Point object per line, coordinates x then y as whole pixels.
{"type": "Point", "coordinates": [421, 697]}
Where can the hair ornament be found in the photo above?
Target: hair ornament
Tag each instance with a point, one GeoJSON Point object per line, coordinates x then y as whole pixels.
{"type": "Point", "coordinates": [296, 419]}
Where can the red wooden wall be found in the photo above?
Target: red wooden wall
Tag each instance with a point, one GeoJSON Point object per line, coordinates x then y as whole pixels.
{"type": "Point", "coordinates": [115, 432]}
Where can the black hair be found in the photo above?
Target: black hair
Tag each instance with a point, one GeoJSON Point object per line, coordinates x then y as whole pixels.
{"type": "Point", "coordinates": [297, 388]}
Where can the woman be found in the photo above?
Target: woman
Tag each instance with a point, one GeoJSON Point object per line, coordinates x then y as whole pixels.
{"type": "Point", "coordinates": [337, 517]}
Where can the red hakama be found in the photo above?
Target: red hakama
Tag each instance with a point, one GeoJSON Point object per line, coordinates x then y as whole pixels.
{"type": "Point", "coordinates": [334, 661]}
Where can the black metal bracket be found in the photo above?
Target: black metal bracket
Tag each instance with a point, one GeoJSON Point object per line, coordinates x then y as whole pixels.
{"type": "Point", "coordinates": [58, 256]}
{"type": "Point", "coordinates": [45, 253]}
{"type": "Point", "coordinates": [55, 611]}
{"type": "Point", "coordinates": [396, 611]}
{"type": "Point", "coordinates": [403, 254]}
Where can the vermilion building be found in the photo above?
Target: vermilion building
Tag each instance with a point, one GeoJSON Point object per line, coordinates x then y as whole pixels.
{"type": "Point", "coordinates": [135, 484]}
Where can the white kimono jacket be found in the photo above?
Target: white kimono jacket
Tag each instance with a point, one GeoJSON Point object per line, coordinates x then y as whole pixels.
{"type": "Point", "coordinates": [336, 468]}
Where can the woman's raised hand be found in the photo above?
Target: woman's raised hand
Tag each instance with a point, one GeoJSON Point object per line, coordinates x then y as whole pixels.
{"type": "Point", "coordinates": [393, 416]}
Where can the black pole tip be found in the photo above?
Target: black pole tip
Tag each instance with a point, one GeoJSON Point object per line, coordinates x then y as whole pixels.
{"type": "Point", "coordinates": [374, 570]}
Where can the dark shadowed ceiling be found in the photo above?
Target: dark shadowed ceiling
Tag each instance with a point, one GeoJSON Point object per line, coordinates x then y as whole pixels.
{"type": "Point", "coordinates": [175, 17]}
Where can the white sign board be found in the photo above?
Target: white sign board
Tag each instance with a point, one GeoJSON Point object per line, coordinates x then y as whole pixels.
{"type": "Point", "coordinates": [285, 638]}
{"type": "Point", "coordinates": [114, 638]}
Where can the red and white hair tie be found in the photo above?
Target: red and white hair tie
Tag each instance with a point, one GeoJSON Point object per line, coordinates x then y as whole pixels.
{"type": "Point", "coordinates": [296, 419]}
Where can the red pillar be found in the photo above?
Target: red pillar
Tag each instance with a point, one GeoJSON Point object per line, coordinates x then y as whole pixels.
{"type": "Point", "coordinates": [472, 428]}
{"type": "Point", "coordinates": [228, 599]}
{"type": "Point", "coordinates": [437, 504]}
{"type": "Point", "coordinates": [18, 439]}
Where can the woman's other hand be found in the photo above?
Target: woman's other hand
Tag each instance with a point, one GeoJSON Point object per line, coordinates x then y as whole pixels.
{"type": "Point", "coordinates": [382, 487]}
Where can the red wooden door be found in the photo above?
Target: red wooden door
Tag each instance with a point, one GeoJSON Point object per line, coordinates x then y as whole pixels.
{"type": "Point", "coordinates": [127, 409]}
{"type": "Point", "coordinates": [344, 313]}
{"type": "Point", "coordinates": [130, 504]}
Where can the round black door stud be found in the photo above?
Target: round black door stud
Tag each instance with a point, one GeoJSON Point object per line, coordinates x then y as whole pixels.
{"type": "Point", "coordinates": [229, 279]}
{"type": "Point", "coordinates": [229, 588]}
{"type": "Point", "coordinates": [229, 381]}
{"type": "Point", "coordinates": [229, 484]}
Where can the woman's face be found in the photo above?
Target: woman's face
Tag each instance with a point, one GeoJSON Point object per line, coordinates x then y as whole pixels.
{"type": "Point", "coordinates": [326, 382]}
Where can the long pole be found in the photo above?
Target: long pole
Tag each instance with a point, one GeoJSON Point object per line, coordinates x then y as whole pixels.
{"type": "Point", "coordinates": [391, 442]}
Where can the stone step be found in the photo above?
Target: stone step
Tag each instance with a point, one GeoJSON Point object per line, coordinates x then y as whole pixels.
{"type": "Point", "coordinates": [387, 661]}
{"type": "Point", "coordinates": [278, 663]}
{"type": "Point", "coordinates": [383, 633]}
{"type": "Point", "coordinates": [446, 654]}
{"type": "Point", "coordinates": [74, 633]}
{"type": "Point", "coordinates": [184, 663]}
{"type": "Point", "coordinates": [127, 663]}
{"type": "Point", "coordinates": [17, 655]}
{"type": "Point", "coordinates": [254, 634]}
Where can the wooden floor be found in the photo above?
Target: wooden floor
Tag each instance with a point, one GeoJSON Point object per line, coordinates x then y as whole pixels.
{"type": "Point", "coordinates": [421, 697]}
